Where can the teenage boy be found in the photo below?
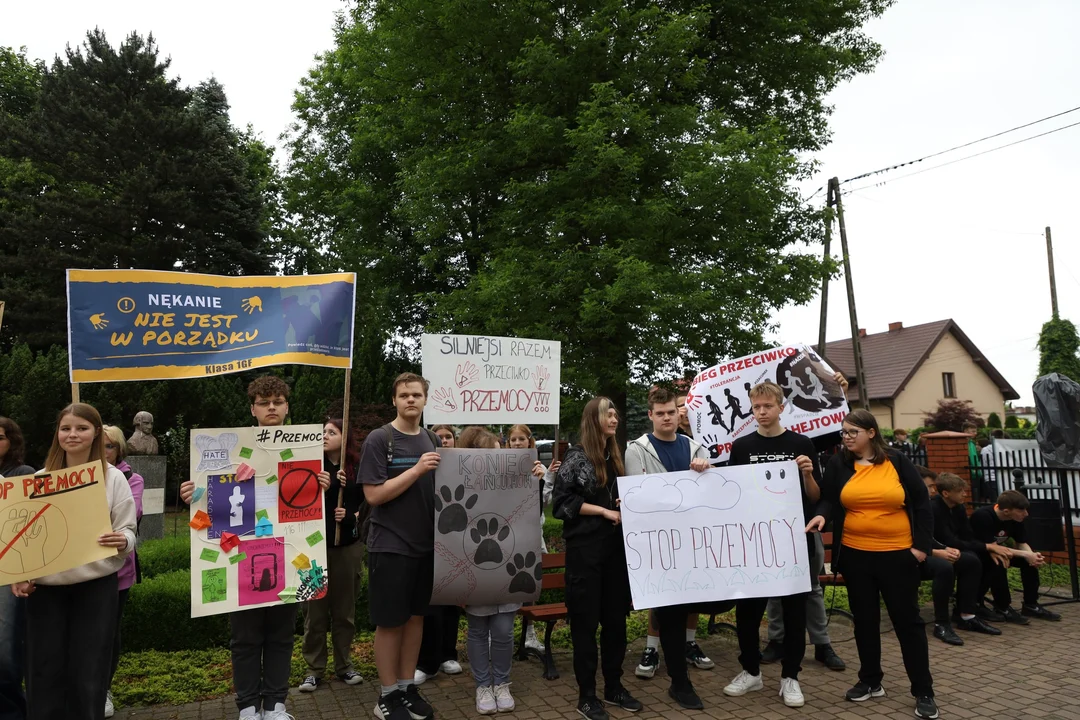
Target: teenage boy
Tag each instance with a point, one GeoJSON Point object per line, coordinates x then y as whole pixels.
{"type": "Point", "coordinates": [262, 638]}
{"type": "Point", "coordinates": [664, 450]}
{"type": "Point", "coordinates": [955, 558]}
{"type": "Point", "coordinates": [399, 485]}
{"type": "Point", "coordinates": [997, 524]}
{"type": "Point", "coordinates": [901, 442]}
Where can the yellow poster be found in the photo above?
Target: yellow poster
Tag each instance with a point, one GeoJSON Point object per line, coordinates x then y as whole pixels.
{"type": "Point", "coordinates": [50, 522]}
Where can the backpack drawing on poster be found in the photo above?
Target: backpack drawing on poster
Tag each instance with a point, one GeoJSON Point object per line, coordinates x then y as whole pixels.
{"type": "Point", "coordinates": [718, 404]}
{"type": "Point", "coordinates": [256, 518]}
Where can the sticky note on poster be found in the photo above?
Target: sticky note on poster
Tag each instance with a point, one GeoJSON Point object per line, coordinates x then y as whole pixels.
{"type": "Point", "coordinates": [214, 585]}
{"type": "Point", "coordinates": [299, 495]}
{"type": "Point", "coordinates": [208, 555]}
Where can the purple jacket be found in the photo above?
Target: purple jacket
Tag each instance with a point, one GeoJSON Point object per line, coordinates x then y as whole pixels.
{"type": "Point", "coordinates": [126, 576]}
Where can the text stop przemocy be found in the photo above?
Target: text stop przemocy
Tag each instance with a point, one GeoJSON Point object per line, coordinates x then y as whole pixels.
{"type": "Point", "coordinates": [764, 544]}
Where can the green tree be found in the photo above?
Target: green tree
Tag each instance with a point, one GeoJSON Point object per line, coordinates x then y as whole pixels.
{"type": "Point", "coordinates": [993, 420]}
{"type": "Point", "coordinates": [617, 176]}
{"type": "Point", "coordinates": [1012, 422]}
{"type": "Point", "coordinates": [1059, 349]}
{"type": "Point", "coordinates": [953, 415]}
{"type": "Point", "coordinates": [140, 173]}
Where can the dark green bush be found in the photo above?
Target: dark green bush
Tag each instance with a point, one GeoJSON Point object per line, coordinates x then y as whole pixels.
{"type": "Point", "coordinates": [169, 554]}
{"type": "Point", "coordinates": [158, 617]}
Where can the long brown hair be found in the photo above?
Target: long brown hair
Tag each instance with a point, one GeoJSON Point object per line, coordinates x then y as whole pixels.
{"type": "Point", "coordinates": [597, 447]}
{"type": "Point", "coordinates": [865, 420]}
{"type": "Point", "coordinates": [16, 445]}
{"type": "Point", "coordinates": [350, 449]}
{"type": "Point", "coordinates": [57, 457]}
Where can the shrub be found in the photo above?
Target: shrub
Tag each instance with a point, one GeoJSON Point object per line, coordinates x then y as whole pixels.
{"type": "Point", "coordinates": [953, 415]}
{"type": "Point", "coordinates": [993, 420]}
{"type": "Point", "coordinates": [166, 555]}
{"type": "Point", "coordinates": [1012, 422]}
{"type": "Point", "coordinates": [158, 617]}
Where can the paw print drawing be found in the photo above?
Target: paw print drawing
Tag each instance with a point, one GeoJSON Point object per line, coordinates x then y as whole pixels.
{"type": "Point", "coordinates": [466, 374]}
{"type": "Point", "coordinates": [98, 321]}
{"type": "Point", "coordinates": [525, 578]}
{"type": "Point", "coordinates": [712, 443]}
{"type": "Point", "coordinates": [251, 304]}
{"type": "Point", "coordinates": [452, 515]}
{"type": "Point", "coordinates": [444, 400]}
{"type": "Point", "coordinates": [542, 378]}
{"type": "Point", "coordinates": [693, 401]}
{"type": "Point", "coordinates": [488, 537]}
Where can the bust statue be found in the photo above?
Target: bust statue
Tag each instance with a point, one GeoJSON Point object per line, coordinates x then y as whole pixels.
{"type": "Point", "coordinates": [142, 441]}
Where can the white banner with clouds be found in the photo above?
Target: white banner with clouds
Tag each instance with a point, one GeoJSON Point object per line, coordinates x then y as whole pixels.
{"type": "Point", "coordinates": [725, 533]}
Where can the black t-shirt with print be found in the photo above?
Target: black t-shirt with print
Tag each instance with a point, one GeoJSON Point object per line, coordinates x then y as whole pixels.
{"type": "Point", "coordinates": [989, 528]}
{"type": "Point", "coordinates": [757, 448]}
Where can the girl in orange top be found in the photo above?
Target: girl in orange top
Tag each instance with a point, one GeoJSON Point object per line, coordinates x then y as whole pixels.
{"type": "Point", "coordinates": [882, 531]}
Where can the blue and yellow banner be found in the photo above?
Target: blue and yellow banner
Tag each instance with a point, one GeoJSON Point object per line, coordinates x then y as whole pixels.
{"type": "Point", "coordinates": [157, 325]}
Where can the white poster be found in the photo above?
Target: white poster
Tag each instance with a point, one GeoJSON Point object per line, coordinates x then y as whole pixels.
{"type": "Point", "coordinates": [256, 518]}
{"type": "Point", "coordinates": [725, 533]}
{"type": "Point", "coordinates": [481, 380]}
{"type": "Point", "coordinates": [719, 407]}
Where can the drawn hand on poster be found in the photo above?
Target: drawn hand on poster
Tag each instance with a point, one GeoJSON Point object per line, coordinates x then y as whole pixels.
{"type": "Point", "coordinates": [491, 541]}
{"type": "Point", "coordinates": [453, 517]}
{"type": "Point", "coordinates": [444, 400]}
{"type": "Point", "coordinates": [251, 304]}
{"type": "Point", "coordinates": [525, 572]}
{"type": "Point", "coordinates": [466, 374]}
{"type": "Point", "coordinates": [98, 321]}
{"type": "Point", "coordinates": [214, 451]}
{"type": "Point", "coordinates": [29, 547]}
{"type": "Point", "coordinates": [712, 444]}
{"type": "Point", "coordinates": [541, 378]}
{"type": "Point", "coordinates": [693, 401]}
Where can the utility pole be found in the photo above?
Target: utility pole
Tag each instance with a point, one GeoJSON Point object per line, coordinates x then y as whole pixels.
{"type": "Point", "coordinates": [1053, 280]}
{"type": "Point", "coordinates": [825, 279]}
{"type": "Point", "coordinates": [856, 344]}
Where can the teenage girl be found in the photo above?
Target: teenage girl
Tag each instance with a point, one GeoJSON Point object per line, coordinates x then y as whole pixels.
{"type": "Point", "coordinates": [71, 616]}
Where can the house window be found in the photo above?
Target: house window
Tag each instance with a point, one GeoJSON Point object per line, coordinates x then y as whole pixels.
{"type": "Point", "coordinates": [948, 382]}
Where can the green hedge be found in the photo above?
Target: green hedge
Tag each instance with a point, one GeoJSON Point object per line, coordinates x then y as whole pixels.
{"type": "Point", "coordinates": [160, 557]}
{"type": "Point", "coordinates": [158, 617]}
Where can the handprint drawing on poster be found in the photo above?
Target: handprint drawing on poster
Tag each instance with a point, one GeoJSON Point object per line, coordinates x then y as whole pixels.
{"type": "Point", "coordinates": [31, 536]}
{"type": "Point", "coordinates": [466, 374]}
{"type": "Point", "coordinates": [443, 399]}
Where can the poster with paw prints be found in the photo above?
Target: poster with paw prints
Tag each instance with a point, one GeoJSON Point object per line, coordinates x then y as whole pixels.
{"type": "Point", "coordinates": [257, 526]}
{"type": "Point", "coordinates": [487, 528]}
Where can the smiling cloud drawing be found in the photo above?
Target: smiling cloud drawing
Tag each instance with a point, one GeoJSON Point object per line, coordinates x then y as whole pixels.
{"type": "Point", "coordinates": [710, 489]}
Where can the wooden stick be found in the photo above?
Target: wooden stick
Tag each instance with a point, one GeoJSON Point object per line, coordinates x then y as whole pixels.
{"type": "Point", "coordinates": [75, 392]}
{"type": "Point", "coordinates": [344, 447]}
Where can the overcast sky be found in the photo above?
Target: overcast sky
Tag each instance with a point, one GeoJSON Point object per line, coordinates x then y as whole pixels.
{"type": "Point", "coordinates": [964, 241]}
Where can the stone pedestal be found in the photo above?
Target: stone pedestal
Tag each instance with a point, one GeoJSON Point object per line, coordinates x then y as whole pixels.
{"type": "Point", "coordinates": [152, 469]}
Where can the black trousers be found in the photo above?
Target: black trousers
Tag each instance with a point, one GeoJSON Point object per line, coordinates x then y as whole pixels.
{"type": "Point", "coordinates": [748, 615]}
{"type": "Point", "coordinates": [671, 625]}
{"type": "Point", "coordinates": [121, 602]}
{"type": "Point", "coordinates": [69, 637]}
{"type": "Point", "coordinates": [996, 579]}
{"type": "Point", "coordinates": [964, 574]}
{"type": "Point", "coordinates": [262, 645]}
{"type": "Point", "coordinates": [439, 642]}
{"type": "Point", "coordinates": [598, 594]}
{"type": "Point", "coordinates": [892, 576]}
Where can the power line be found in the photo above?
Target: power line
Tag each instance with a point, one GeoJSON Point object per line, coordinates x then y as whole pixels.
{"type": "Point", "coordinates": [960, 147]}
{"type": "Point", "coordinates": [953, 162]}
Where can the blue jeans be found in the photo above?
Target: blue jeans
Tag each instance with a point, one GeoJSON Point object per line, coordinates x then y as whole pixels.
{"type": "Point", "coordinates": [12, 655]}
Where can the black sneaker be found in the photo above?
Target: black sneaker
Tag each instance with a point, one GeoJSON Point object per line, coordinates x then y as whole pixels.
{"type": "Point", "coordinates": [1011, 616]}
{"type": "Point", "coordinates": [986, 614]}
{"type": "Point", "coordinates": [773, 651]}
{"type": "Point", "coordinates": [947, 635]}
{"type": "Point", "coordinates": [1038, 611]}
{"type": "Point", "coordinates": [390, 707]}
{"type": "Point", "coordinates": [650, 660]}
{"type": "Point", "coordinates": [977, 624]}
{"type": "Point", "coordinates": [862, 691]}
{"type": "Point", "coordinates": [591, 709]}
{"type": "Point", "coordinates": [925, 707]}
{"type": "Point", "coordinates": [310, 684]}
{"type": "Point", "coordinates": [825, 655]}
{"type": "Point", "coordinates": [699, 659]}
{"type": "Point", "coordinates": [623, 699]}
{"type": "Point", "coordinates": [686, 699]}
{"type": "Point", "coordinates": [415, 703]}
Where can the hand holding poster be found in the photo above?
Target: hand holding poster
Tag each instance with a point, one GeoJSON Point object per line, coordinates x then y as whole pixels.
{"type": "Point", "coordinates": [150, 324]}
{"type": "Point", "coordinates": [491, 380]}
{"type": "Point", "coordinates": [51, 522]}
{"type": "Point", "coordinates": [725, 533]}
{"type": "Point", "coordinates": [487, 528]}
{"type": "Point", "coordinates": [719, 408]}
{"type": "Point", "coordinates": [256, 517]}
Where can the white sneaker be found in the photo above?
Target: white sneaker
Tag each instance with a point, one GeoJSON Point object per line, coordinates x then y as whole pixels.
{"type": "Point", "coordinates": [250, 713]}
{"type": "Point", "coordinates": [743, 683]}
{"type": "Point", "coordinates": [791, 692]}
{"type": "Point", "coordinates": [278, 713]}
{"type": "Point", "coordinates": [309, 684]}
{"type": "Point", "coordinates": [420, 677]}
{"type": "Point", "coordinates": [485, 701]}
{"type": "Point", "coordinates": [451, 667]}
{"type": "Point", "coordinates": [110, 710]}
{"type": "Point", "coordinates": [503, 699]}
{"type": "Point", "coordinates": [531, 641]}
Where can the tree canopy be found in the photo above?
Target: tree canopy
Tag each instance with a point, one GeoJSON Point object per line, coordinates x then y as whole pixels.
{"type": "Point", "coordinates": [1059, 349]}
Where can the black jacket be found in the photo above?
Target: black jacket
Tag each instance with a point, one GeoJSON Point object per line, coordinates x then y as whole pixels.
{"type": "Point", "coordinates": [576, 484]}
{"type": "Point", "coordinates": [951, 527]}
{"type": "Point", "coordinates": [916, 501]}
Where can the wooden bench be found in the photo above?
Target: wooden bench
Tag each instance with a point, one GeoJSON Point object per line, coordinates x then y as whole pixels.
{"type": "Point", "coordinates": [831, 579]}
{"type": "Point", "coordinates": [548, 614]}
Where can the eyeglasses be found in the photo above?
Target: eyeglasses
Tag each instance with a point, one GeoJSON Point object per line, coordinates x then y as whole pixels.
{"type": "Point", "coordinates": [850, 433]}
